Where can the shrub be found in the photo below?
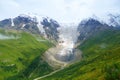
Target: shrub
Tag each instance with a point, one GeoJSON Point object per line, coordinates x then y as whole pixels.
{"type": "Point", "coordinates": [112, 72]}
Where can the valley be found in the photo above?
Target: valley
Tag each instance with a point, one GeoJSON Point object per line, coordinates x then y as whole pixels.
{"type": "Point", "coordinates": [99, 60]}
{"type": "Point", "coordinates": [40, 48]}
{"type": "Point", "coordinates": [64, 53]}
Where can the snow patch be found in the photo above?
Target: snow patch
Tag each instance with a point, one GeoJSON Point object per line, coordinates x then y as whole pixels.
{"type": "Point", "coordinates": [67, 38]}
{"type": "Point", "coordinates": [23, 26]}
{"type": "Point", "coordinates": [12, 22]}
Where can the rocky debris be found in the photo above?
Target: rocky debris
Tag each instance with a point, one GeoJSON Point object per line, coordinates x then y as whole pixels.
{"type": "Point", "coordinates": [54, 58]}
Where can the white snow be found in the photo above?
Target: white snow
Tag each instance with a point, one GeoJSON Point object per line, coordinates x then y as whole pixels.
{"type": "Point", "coordinates": [23, 26]}
{"type": "Point", "coordinates": [68, 38]}
{"type": "Point", "coordinates": [36, 18]}
{"type": "Point", "coordinates": [109, 19]}
{"type": "Point", "coordinates": [12, 23]}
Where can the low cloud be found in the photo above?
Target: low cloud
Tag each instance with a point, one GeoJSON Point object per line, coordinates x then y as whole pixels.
{"type": "Point", "coordinates": [61, 10]}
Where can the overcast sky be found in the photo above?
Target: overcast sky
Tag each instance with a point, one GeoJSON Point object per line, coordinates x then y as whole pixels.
{"type": "Point", "coordinates": [61, 10]}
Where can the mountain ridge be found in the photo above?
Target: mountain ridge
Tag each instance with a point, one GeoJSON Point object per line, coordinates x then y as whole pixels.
{"type": "Point", "coordinates": [34, 24]}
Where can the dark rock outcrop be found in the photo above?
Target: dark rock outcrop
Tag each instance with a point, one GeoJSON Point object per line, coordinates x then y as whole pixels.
{"type": "Point", "coordinates": [20, 23]}
{"type": "Point", "coordinates": [5, 23]}
{"type": "Point", "coordinates": [90, 27]}
{"type": "Point", "coordinates": [26, 24]}
{"type": "Point", "coordinates": [50, 26]}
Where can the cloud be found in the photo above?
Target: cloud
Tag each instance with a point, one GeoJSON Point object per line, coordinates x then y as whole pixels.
{"type": "Point", "coordinates": [61, 10]}
{"type": "Point", "coordinates": [9, 9]}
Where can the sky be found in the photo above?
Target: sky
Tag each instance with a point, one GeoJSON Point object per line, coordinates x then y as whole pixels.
{"type": "Point", "coordinates": [60, 10]}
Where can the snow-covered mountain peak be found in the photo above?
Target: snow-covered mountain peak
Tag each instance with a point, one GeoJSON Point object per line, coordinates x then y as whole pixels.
{"type": "Point", "coordinates": [114, 20]}
{"type": "Point", "coordinates": [35, 17]}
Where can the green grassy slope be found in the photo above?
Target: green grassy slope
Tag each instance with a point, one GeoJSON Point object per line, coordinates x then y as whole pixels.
{"type": "Point", "coordinates": [101, 59]}
{"type": "Point", "coordinates": [21, 56]}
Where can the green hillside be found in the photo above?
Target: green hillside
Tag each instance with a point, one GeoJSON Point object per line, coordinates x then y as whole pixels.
{"type": "Point", "coordinates": [101, 59]}
{"type": "Point", "coordinates": [20, 57]}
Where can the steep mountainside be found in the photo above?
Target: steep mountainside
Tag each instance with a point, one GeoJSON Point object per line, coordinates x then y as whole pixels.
{"type": "Point", "coordinates": [50, 28]}
{"type": "Point", "coordinates": [101, 59]}
{"type": "Point", "coordinates": [20, 56]}
{"type": "Point", "coordinates": [89, 27]}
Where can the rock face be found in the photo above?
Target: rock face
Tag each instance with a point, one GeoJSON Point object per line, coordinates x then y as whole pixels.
{"type": "Point", "coordinates": [5, 23]}
{"type": "Point", "coordinates": [34, 24]}
{"type": "Point", "coordinates": [90, 27]}
{"type": "Point", "coordinates": [50, 26]}
{"type": "Point", "coordinates": [26, 24]}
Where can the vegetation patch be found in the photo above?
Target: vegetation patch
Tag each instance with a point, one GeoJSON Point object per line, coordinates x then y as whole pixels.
{"type": "Point", "coordinates": [21, 56]}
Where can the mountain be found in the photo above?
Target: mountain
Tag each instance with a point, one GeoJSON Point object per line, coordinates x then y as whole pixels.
{"type": "Point", "coordinates": [20, 55]}
{"type": "Point", "coordinates": [89, 27]}
{"type": "Point", "coordinates": [22, 46]}
{"type": "Point", "coordinates": [114, 20]}
{"type": "Point", "coordinates": [89, 51]}
{"type": "Point", "coordinates": [100, 59]}
{"type": "Point", "coordinates": [100, 44]}
{"type": "Point", "coordinates": [50, 26]}
{"type": "Point", "coordinates": [35, 24]}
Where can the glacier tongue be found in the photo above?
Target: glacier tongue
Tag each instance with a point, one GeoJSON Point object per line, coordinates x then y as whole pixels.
{"type": "Point", "coordinates": [64, 52]}
{"type": "Point", "coordinates": [67, 40]}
